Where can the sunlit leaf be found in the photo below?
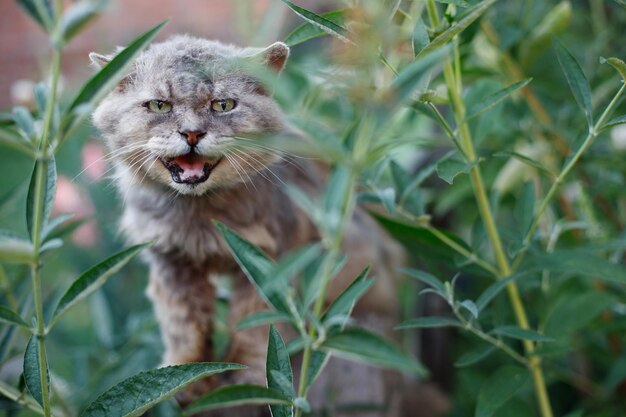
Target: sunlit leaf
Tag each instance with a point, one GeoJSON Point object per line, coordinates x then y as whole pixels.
{"type": "Point", "coordinates": [94, 278]}
{"type": "Point", "coordinates": [15, 249]}
{"type": "Point", "coordinates": [137, 394]}
{"type": "Point", "coordinates": [234, 395]}
{"type": "Point", "coordinates": [576, 79]}
{"type": "Point", "coordinates": [618, 64]}
{"type": "Point", "coordinates": [321, 22]}
{"type": "Point", "coordinates": [308, 31]}
{"type": "Point", "coordinates": [101, 83]}
{"type": "Point", "coordinates": [470, 17]}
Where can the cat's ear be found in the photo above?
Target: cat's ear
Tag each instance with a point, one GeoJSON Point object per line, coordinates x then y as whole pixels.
{"type": "Point", "coordinates": [275, 56]}
{"type": "Point", "coordinates": [99, 60]}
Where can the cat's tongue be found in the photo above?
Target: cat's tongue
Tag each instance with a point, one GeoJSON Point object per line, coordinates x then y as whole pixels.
{"type": "Point", "coordinates": [192, 166]}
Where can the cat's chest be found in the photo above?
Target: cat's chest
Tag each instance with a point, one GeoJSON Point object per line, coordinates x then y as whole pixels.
{"type": "Point", "coordinates": [189, 229]}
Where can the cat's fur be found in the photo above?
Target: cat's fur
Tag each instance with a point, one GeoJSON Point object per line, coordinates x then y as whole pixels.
{"type": "Point", "coordinates": [245, 192]}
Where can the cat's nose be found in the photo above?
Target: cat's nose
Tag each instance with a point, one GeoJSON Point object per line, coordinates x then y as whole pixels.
{"type": "Point", "coordinates": [192, 136]}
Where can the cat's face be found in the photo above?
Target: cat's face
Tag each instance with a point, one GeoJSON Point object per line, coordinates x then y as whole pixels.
{"type": "Point", "coordinates": [185, 116]}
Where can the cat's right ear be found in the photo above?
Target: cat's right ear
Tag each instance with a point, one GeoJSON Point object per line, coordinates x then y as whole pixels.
{"type": "Point", "coordinates": [99, 60]}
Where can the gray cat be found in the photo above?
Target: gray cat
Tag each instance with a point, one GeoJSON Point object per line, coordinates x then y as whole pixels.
{"type": "Point", "coordinates": [170, 124]}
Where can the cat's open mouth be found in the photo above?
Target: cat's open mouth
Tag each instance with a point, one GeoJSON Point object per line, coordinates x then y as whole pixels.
{"type": "Point", "coordinates": [190, 168]}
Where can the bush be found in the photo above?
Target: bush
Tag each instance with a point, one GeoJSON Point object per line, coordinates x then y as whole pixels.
{"type": "Point", "coordinates": [472, 131]}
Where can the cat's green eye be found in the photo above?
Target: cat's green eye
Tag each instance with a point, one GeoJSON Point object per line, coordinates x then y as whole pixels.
{"type": "Point", "coordinates": [223, 106]}
{"type": "Point", "coordinates": [159, 106]}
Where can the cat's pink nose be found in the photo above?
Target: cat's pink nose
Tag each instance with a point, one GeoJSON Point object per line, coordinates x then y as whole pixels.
{"type": "Point", "coordinates": [192, 136]}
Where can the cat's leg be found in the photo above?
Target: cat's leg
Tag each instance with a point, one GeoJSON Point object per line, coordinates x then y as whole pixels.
{"type": "Point", "coordinates": [183, 301]}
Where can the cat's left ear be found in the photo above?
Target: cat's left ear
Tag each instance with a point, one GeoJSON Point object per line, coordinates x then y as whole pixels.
{"type": "Point", "coordinates": [275, 56]}
{"type": "Point", "coordinates": [99, 60]}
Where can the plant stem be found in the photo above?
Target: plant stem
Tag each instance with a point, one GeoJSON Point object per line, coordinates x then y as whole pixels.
{"type": "Point", "coordinates": [334, 249]}
{"type": "Point", "coordinates": [43, 159]}
{"type": "Point", "coordinates": [453, 83]}
{"type": "Point", "coordinates": [591, 136]}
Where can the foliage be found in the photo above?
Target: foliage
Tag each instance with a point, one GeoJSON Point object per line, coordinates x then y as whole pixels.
{"type": "Point", "coordinates": [483, 135]}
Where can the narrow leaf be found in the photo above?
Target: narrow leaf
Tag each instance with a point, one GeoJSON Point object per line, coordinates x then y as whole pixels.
{"type": "Point", "coordinates": [344, 303]}
{"type": "Point", "coordinates": [234, 395]}
{"type": "Point", "coordinates": [524, 159]}
{"type": "Point", "coordinates": [427, 279]}
{"type": "Point", "coordinates": [365, 346]}
{"type": "Point", "coordinates": [449, 169]}
{"type": "Point", "coordinates": [75, 18]}
{"type": "Point", "coordinates": [572, 313]}
{"type": "Point", "coordinates": [499, 388]}
{"type": "Point", "coordinates": [42, 94]}
{"type": "Point", "coordinates": [471, 307]}
{"type": "Point", "coordinates": [31, 369]}
{"type": "Point", "coordinates": [11, 139]}
{"type": "Point", "coordinates": [420, 37]}
{"type": "Point", "coordinates": [319, 359]}
{"type": "Point", "coordinates": [494, 99]}
{"type": "Point", "coordinates": [9, 316]}
{"type": "Point", "coordinates": [577, 262]}
{"type": "Point", "coordinates": [472, 15]}
{"type": "Point", "coordinates": [15, 249]}
{"type": "Point", "coordinates": [39, 10]}
{"type": "Point", "coordinates": [308, 31]}
{"type": "Point", "coordinates": [517, 332]}
{"type": "Point", "coordinates": [428, 322]}
{"type": "Point", "coordinates": [324, 24]}
{"type": "Point", "coordinates": [615, 122]}
{"type": "Point", "coordinates": [576, 79]}
{"type": "Point", "coordinates": [493, 290]}
{"type": "Point", "coordinates": [405, 83]}
{"type": "Point", "coordinates": [256, 265]}
{"type": "Point", "coordinates": [525, 208]}
{"type": "Point", "coordinates": [618, 64]}
{"type": "Point", "coordinates": [137, 394]}
{"type": "Point", "coordinates": [278, 361]}
{"type": "Point", "coordinates": [101, 83]}
{"type": "Point", "coordinates": [24, 120]}
{"type": "Point", "coordinates": [49, 191]}
{"type": "Point", "coordinates": [94, 278]}
{"type": "Point", "coordinates": [261, 318]}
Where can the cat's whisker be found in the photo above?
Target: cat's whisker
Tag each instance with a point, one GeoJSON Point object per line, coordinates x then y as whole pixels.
{"type": "Point", "coordinates": [238, 168]}
{"type": "Point", "coordinates": [256, 169]}
{"type": "Point", "coordinates": [111, 156]}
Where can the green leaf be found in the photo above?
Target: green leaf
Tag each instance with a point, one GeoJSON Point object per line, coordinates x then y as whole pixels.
{"type": "Point", "coordinates": [261, 318]}
{"type": "Point", "coordinates": [470, 307]}
{"type": "Point", "coordinates": [474, 356]}
{"type": "Point", "coordinates": [15, 249]}
{"type": "Point", "coordinates": [576, 79]}
{"type": "Point", "coordinates": [428, 322]}
{"type": "Point", "coordinates": [320, 22]}
{"type": "Point", "coordinates": [339, 184]}
{"type": "Point", "coordinates": [291, 265]}
{"type": "Point", "coordinates": [234, 395]}
{"type": "Point", "coordinates": [494, 99]}
{"type": "Point", "coordinates": [344, 303]}
{"type": "Point", "coordinates": [24, 120]}
{"type": "Point", "coordinates": [365, 346]}
{"type": "Point", "coordinates": [308, 31]}
{"type": "Point", "coordinates": [61, 226]}
{"type": "Point", "coordinates": [133, 396]}
{"type": "Point", "coordinates": [9, 316]}
{"type": "Point", "coordinates": [427, 279]}
{"type": "Point", "coordinates": [618, 64]}
{"type": "Point", "coordinates": [572, 313]}
{"type": "Point", "coordinates": [94, 278]}
{"type": "Point", "coordinates": [101, 83]}
{"type": "Point", "coordinates": [614, 122]}
{"type": "Point", "coordinates": [448, 169]}
{"type": "Point", "coordinates": [405, 83]}
{"type": "Point", "coordinates": [524, 159]}
{"type": "Point", "coordinates": [494, 289]}
{"type": "Point", "coordinates": [75, 18]}
{"type": "Point", "coordinates": [256, 265]}
{"type": "Point", "coordinates": [278, 361]}
{"type": "Point", "coordinates": [553, 23]}
{"type": "Point", "coordinates": [42, 94]}
{"type": "Point", "coordinates": [319, 360]}
{"type": "Point", "coordinates": [49, 191]}
{"type": "Point", "coordinates": [460, 3]}
{"type": "Point", "coordinates": [40, 11]}
{"type": "Point", "coordinates": [577, 262]}
{"type": "Point", "coordinates": [517, 332]}
{"type": "Point", "coordinates": [12, 139]}
{"type": "Point", "coordinates": [468, 18]}
{"type": "Point", "coordinates": [499, 388]}
{"type": "Point", "coordinates": [31, 370]}
{"type": "Point", "coordinates": [420, 37]}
